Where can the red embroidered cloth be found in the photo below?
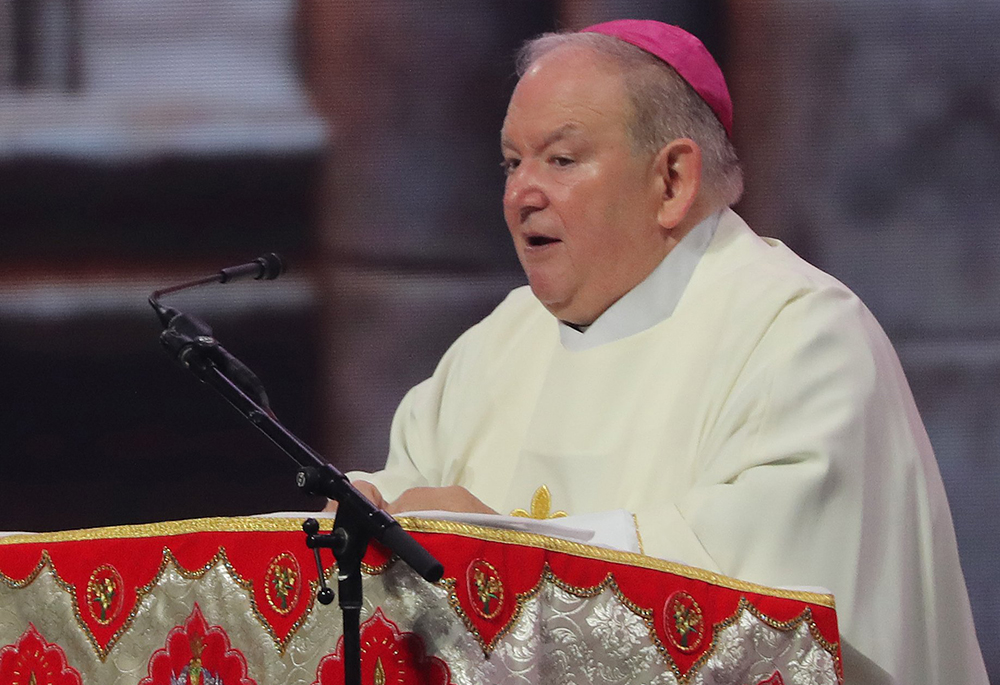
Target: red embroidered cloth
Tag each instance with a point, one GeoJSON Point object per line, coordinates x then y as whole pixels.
{"type": "Point", "coordinates": [232, 601]}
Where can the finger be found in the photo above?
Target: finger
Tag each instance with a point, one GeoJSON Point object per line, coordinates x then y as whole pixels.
{"type": "Point", "coordinates": [371, 492]}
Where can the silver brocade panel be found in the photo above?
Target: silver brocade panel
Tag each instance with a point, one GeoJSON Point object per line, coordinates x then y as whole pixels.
{"type": "Point", "coordinates": [558, 637]}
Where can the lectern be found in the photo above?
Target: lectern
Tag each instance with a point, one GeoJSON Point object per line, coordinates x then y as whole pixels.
{"type": "Point", "coordinates": [230, 601]}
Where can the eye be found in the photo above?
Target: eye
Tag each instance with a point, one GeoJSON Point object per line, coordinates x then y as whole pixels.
{"type": "Point", "coordinates": [561, 161]}
{"type": "Point", "coordinates": [508, 165]}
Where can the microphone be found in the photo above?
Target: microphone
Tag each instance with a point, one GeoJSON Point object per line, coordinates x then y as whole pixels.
{"type": "Point", "coordinates": [191, 343]}
{"type": "Point", "coordinates": [183, 332]}
{"type": "Point", "coordinates": [265, 268]}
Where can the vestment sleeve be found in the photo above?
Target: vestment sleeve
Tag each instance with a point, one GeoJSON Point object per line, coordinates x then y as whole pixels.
{"type": "Point", "coordinates": [401, 470]}
{"type": "Point", "coordinates": [818, 472]}
{"type": "Point", "coordinates": [412, 460]}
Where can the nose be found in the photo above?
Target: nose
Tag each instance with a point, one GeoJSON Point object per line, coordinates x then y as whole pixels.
{"type": "Point", "coordinates": [523, 194]}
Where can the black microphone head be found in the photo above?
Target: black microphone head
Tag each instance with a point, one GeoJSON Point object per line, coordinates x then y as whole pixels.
{"type": "Point", "coordinates": [166, 314]}
{"type": "Point", "coordinates": [271, 267]}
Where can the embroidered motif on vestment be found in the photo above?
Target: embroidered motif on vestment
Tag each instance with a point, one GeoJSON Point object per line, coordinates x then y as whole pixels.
{"type": "Point", "coordinates": [541, 505]}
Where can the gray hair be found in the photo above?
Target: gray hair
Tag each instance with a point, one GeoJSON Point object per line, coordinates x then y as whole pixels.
{"type": "Point", "coordinates": [664, 108]}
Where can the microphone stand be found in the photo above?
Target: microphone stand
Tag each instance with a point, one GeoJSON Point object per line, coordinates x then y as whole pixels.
{"type": "Point", "coordinates": [190, 342]}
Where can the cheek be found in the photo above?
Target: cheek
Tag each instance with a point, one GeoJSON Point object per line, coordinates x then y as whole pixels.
{"type": "Point", "coordinates": [509, 214]}
{"type": "Point", "coordinates": [507, 196]}
{"type": "Point", "coordinates": [508, 219]}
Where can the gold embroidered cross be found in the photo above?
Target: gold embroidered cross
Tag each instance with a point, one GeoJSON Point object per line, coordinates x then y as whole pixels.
{"type": "Point", "coordinates": [541, 504]}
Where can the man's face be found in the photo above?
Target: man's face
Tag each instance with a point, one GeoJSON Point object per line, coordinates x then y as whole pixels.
{"type": "Point", "coordinates": [580, 205]}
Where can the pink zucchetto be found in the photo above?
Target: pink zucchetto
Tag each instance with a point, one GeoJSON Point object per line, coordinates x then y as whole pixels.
{"type": "Point", "coordinates": [683, 52]}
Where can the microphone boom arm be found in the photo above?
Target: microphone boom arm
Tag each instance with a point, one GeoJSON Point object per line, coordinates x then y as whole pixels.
{"type": "Point", "coordinates": [316, 476]}
{"type": "Point", "coordinates": [191, 343]}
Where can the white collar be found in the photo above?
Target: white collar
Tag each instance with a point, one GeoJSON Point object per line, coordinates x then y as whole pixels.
{"type": "Point", "coordinates": [650, 302]}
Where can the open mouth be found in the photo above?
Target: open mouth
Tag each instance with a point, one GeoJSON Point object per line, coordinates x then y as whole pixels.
{"type": "Point", "coordinates": [541, 240]}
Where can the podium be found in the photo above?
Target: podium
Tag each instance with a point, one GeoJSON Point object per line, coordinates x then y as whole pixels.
{"type": "Point", "coordinates": [230, 601]}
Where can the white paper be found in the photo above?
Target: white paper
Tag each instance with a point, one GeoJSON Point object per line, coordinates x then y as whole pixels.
{"type": "Point", "coordinates": [610, 529]}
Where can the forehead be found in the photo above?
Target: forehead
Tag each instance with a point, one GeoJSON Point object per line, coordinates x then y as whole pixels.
{"type": "Point", "coordinates": [572, 89]}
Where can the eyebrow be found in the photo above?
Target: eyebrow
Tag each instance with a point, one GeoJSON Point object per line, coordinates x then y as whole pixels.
{"type": "Point", "coordinates": [555, 136]}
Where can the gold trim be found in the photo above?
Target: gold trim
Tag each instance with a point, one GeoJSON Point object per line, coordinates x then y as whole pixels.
{"type": "Point", "coordinates": [638, 535]}
{"type": "Point", "coordinates": [216, 524]}
{"type": "Point", "coordinates": [745, 605]}
{"type": "Point", "coordinates": [520, 599]}
{"type": "Point", "coordinates": [479, 590]}
{"type": "Point", "coordinates": [256, 524]}
{"type": "Point", "coordinates": [70, 589]}
{"type": "Point", "coordinates": [94, 593]}
{"type": "Point", "coordinates": [646, 615]}
{"type": "Point", "coordinates": [514, 537]}
{"type": "Point", "coordinates": [43, 561]}
{"type": "Point", "coordinates": [167, 559]}
{"type": "Point", "coordinates": [670, 630]}
{"type": "Point", "coordinates": [589, 592]}
{"type": "Point", "coordinates": [805, 617]}
{"type": "Point", "coordinates": [377, 570]}
{"type": "Point", "coordinates": [295, 584]}
{"type": "Point", "coordinates": [247, 585]}
{"type": "Point", "coordinates": [422, 525]}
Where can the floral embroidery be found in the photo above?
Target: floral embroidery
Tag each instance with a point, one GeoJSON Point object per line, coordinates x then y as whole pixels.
{"type": "Point", "coordinates": [815, 668]}
{"type": "Point", "coordinates": [197, 654]}
{"type": "Point", "coordinates": [684, 623]}
{"type": "Point", "coordinates": [388, 657]}
{"type": "Point", "coordinates": [33, 661]}
{"type": "Point", "coordinates": [104, 594]}
{"type": "Point", "coordinates": [283, 583]}
{"type": "Point", "coordinates": [618, 629]}
{"type": "Point", "coordinates": [485, 588]}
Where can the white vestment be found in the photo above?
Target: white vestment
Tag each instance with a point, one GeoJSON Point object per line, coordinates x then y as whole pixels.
{"type": "Point", "coordinates": [763, 430]}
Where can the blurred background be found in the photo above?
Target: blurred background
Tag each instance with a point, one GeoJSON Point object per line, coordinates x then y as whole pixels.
{"type": "Point", "coordinates": [144, 143]}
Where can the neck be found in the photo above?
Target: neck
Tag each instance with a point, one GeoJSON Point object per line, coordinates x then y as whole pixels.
{"type": "Point", "coordinates": [698, 213]}
{"type": "Point", "coordinates": [700, 210]}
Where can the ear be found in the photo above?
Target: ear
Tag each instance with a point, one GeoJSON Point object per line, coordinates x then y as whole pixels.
{"type": "Point", "coordinates": [678, 170]}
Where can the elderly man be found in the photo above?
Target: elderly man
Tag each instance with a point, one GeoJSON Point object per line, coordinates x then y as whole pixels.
{"type": "Point", "coordinates": [745, 406]}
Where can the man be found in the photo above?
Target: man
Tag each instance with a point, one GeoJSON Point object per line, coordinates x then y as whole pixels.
{"type": "Point", "coordinates": [746, 407]}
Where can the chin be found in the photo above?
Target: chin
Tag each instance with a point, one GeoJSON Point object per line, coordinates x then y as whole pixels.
{"type": "Point", "coordinates": [565, 311]}
{"type": "Point", "coordinates": [549, 299]}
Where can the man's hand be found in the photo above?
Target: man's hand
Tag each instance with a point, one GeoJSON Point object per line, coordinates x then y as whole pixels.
{"type": "Point", "coordinates": [366, 489]}
{"type": "Point", "coordinates": [449, 498]}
